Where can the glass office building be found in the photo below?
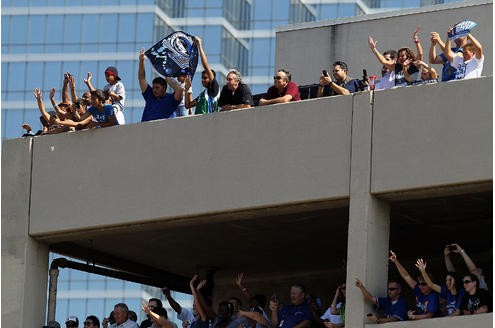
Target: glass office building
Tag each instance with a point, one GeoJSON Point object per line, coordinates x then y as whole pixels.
{"type": "Point", "coordinates": [42, 39]}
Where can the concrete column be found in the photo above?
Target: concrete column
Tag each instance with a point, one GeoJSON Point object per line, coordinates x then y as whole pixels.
{"type": "Point", "coordinates": [24, 260]}
{"type": "Point", "coordinates": [369, 225]}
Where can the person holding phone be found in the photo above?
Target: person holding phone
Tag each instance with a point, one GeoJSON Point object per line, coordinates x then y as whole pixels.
{"type": "Point", "coordinates": [455, 248]}
{"type": "Point", "coordinates": [342, 84]}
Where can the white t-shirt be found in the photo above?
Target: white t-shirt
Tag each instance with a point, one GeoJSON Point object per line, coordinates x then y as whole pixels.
{"type": "Point", "coordinates": [468, 70]}
{"type": "Point", "coordinates": [334, 318]}
{"type": "Point", "coordinates": [387, 81]}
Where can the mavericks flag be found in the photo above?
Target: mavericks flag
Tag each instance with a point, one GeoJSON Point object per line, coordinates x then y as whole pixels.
{"type": "Point", "coordinates": [461, 29]}
{"type": "Point", "coordinates": [173, 55]}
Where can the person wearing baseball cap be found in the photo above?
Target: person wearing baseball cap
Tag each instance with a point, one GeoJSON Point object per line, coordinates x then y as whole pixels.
{"type": "Point", "coordinates": [52, 324]}
{"type": "Point", "coordinates": [72, 322]}
{"type": "Point", "coordinates": [116, 91]}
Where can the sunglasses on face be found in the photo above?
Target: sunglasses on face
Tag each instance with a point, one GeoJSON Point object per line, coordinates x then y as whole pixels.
{"type": "Point", "coordinates": [467, 281]}
{"type": "Point", "coordinates": [392, 288]}
{"type": "Point", "coordinates": [277, 77]}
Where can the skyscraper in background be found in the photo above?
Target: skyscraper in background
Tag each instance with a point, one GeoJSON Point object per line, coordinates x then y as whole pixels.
{"type": "Point", "coordinates": [42, 39]}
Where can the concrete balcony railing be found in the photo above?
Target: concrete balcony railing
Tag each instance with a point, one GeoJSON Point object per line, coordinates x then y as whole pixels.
{"type": "Point", "coordinates": [479, 320]}
{"type": "Point", "coordinates": [423, 137]}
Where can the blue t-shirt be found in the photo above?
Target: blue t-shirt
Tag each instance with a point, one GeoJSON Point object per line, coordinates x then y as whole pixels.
{"type": "Point", "coordinates": [102, 117]}
{"type": "Point", "coordinates": [427, 303]}
{"type": "Point", "coordinates": [158, 108]}
{"type": "Point", "coordinates": [453, 302]}
{"type": "Point", "coordinates": [448, 71]}
{"type": "Point", "coordinates": [290, 315]}
{"type": "Point", "coordinates": [397, 309]}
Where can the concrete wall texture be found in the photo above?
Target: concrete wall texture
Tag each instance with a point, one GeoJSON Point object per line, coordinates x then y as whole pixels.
{"type": "Point", "coordinates": [338, 148]}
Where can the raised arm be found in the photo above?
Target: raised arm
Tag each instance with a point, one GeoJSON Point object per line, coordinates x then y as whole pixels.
{"type": "Point", "coordinates": [199, 305]}
{"type": "Point", "coordinates": [469, 262]}
{"type": "Point", "coordinates": [178, 91]}
{"type": "Point", "coordinates": [54, 104]}
{"type": "Point", "coordinates": [142, 73]}
{"type": "Point", "coordinates": [419, 48]}
{"type": "Point", "coordinates": [210, 314]}
{"type": "Point", "coordinates": [333, 306]}
{"type": "Point", "coordinates": [479, 47]}
{"type": "Point", "coordinates": [161, 320]}
{"type": "Point", "coordinates": [449, 54]}
{"type": "Point", "coordinates": [39, 98]}
{"type": "Point", "coordinates": [87, 81]}
{"type": "Point", "coordinates": [435, 39]}
{"type": "Point", "coordinates": [188, 100]}
{"type": "Point", "coordinates": [72, 87]}
{"type": "Point", "coordinates": [238, 282]}
{"type": "Point", "coordinates": [204, 60]}
{"type": "Point", "coordinates": [403, 272]}
{"type": "Point", "coordinates": [65, 90]}
{"type": "Point", "coordinates": [368, 297]}
{"type": "Point", "coordinates": [176, 306]}
{"type": "Point", "coordinates": [372, 44]}
{"type": "Point", "coordinates": [421, 265]}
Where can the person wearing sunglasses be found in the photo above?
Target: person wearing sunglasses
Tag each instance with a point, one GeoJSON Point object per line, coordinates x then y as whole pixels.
{"type": "Point", "coordinates": [427, 300]}
{"type": "Point", "coordinates": [476, 300]}
{"type": "Point", "coordinates": [450, 291]}
{"type": "Point", "coordinates": [283, 90]}
{"type": "Point", "coordinates": [393, 306]}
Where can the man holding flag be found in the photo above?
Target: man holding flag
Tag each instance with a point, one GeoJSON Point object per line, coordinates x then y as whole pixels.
{"type": "Point", "coordinates": [159, 103]}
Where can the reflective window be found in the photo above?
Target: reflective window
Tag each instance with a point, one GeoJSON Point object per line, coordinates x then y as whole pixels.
{"type": "Point", "coordinates": [13, 130]}
{"type": "Point", "coordinates": [18, 30]}
{"type": "Point", "coordinates": [89, 30]}
{"type": "Point", "coordinates": [52, 75]}
{"type": "Point", "coordinates": [55, 29]}
{"type": "Point", "coordinates": [126, 28]}
{"type": "Point", "coordinates": [5, 75]}
{"type": "Point", "coordinates": [5, 29]}
{"type": "Point", "coordinates": [35, 71]}
{"type": "Point", "coordinates": [108, 31]}
{"type": "Point", "coordinates": [144, 31]}
{"type": "Point", "coordinates": [16, 70]}
{"type": "Point", "coordinates": [72, 34]}
{"type": "Point", "coordinates": [95, 306]}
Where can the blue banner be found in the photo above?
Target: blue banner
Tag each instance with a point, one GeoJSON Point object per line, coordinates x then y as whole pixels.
{"type": "Point", "coordinates": [461, 29]}
{"type": "Point", "coordinates": [174, 55]}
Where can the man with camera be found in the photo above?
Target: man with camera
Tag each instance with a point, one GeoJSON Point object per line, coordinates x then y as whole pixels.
{"type": "Point", "coordinates": [342, 83]}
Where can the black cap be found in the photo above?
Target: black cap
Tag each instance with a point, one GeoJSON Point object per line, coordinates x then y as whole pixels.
{"type": "Point", "coordinates": [113, 71]}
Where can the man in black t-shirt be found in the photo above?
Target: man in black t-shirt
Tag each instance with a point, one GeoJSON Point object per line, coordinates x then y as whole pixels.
{"type": "Point", "coordinates": [235, 94]}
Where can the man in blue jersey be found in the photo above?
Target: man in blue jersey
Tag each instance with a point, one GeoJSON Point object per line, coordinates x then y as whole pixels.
{"type": "Point", "coordinates": [394, 306]}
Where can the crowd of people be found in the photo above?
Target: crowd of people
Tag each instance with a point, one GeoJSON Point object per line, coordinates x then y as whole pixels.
{"type": "Point", "coordinates": [105, 107]}
{"type": "Point", "coordinates": [455, 297]}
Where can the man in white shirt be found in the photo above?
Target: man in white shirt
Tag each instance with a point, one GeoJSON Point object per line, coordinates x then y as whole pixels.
{"type": "Point", "coordinates": [121, 315]}
{"type": "Point", "coordinates": [470, 64]}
